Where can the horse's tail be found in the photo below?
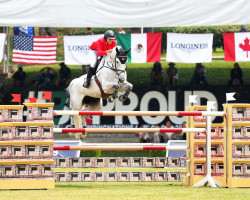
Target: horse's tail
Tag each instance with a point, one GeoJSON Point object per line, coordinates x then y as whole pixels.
{"type": "Point", "coordinates": [68, 90]}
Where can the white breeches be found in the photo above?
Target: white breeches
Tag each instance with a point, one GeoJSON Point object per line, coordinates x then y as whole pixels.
{"type": "Point", "coordinates": [93, 58]}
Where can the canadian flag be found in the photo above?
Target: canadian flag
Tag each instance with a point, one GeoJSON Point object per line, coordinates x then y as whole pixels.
{"type": "Point", "coordinates": [237, 46]}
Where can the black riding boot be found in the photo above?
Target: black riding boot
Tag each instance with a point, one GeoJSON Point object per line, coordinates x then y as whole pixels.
{"type": "Point", "coordinates": [86, 84]}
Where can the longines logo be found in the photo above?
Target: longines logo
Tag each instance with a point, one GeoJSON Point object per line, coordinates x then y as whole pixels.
{"type": "Point", "coordinates": [79, 48]}
{"type": "Point", "coordinates": [189, 47]}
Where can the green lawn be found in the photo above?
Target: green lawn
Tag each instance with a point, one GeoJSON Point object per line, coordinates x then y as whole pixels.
{"type": "Point", "coordinates": [126, 190]}
{"type": "Point", "coordinates": [218, 72]}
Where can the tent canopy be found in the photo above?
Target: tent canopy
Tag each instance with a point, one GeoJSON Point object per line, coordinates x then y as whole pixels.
{"type": "Point", "coordinates": [123, 13]}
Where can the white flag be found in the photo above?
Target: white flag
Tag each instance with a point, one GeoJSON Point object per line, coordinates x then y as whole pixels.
{"type": "Point", "coordinates": [189, 48]}
{"type": "Point", "coordinates": [76, 49]}
{"type": "Point", "coordinates": [230, 96]}
{"type": "Point", "coordinates": [211, 105]}
{"type": "Point", "coordinates": [2, 40]}
{"type": "Point", "coordinates": [192, 98]}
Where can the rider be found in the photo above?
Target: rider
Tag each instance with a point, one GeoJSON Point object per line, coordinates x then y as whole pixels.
{"type": "Point", "coordinates": [99, 48]}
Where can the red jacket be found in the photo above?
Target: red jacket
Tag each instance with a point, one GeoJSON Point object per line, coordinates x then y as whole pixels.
{"type": "Point", "coordinates": [101, 46]}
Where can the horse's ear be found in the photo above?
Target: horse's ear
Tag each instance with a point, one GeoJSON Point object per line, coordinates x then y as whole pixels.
{"type": "Point", "coordinates": [117, 51]}
{"type": "Point", "coordinates": [127, 51]}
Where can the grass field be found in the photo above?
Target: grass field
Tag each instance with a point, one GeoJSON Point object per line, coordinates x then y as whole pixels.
{"type": "Point", "coordinates": [218, 72]}
{"type": "Point", "coordinates": [125, 190]}
{"type": "Point", "coordinates": [129, 190]}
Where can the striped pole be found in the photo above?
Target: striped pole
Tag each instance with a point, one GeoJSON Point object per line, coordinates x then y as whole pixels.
{"type": "Point", "coordinates": [124, 144]}
{"type": "Point", "coordinates": [127, 130]}
{"type": "Point", "coordinates": [140, 113]}
{"type": "Point", "coordinates": [121, 148]}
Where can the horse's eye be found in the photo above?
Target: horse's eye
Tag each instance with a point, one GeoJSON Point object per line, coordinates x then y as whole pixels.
{"type": "Point", "coordinates": [117, 62]}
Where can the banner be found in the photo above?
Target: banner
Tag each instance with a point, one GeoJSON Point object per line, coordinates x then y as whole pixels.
{"type": "Point", "coordinates": [76, 49]}
{"type": "Point", "coordinates": [144, 47]}
{"type": "Point", "coordinates": [236, 46]}
{"type": "Point", "coordinates": [189, 48]}
{"type": "Point", "coordinates": [24, 31]}
{"type": "Point", "coordinates": [2, 41]}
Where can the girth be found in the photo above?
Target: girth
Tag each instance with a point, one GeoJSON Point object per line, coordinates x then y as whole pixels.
{"type": "Point", "coordinates": [104, 95]}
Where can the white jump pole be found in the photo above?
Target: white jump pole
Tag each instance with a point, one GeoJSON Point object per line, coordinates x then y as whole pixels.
{"type": "Point", "coordinates": [139, 113]}
{"type": "Point", "coordinates": [120, 148]}
{"type": "Point", "coordinates": [126, 130]}
{"type": "Point", "coordinates": [208, 179]}
{"type": "Point", "coordinates": [124, 144]}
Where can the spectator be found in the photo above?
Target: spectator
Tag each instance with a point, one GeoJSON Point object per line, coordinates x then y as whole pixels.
{"type": "Point", "coordinates": [183, 135]}
{"type": "Point", "coordinates": [143, 136]}
{"type": "Point", "coordinates": [199, 75]}
{"type": "Point", "coordinates": [19, 78]}
{"type": "Point", "coordinates": [158, 137]}
{"type": "Point", "coordinates": [156, 74]}
{"type": "Point", "coordinates": [243, 28]}
{"type": "Point", "coordinates": [169, 135]}
{"type": "Point", "coordinates": [172, 74]}
{"type": "Point", "coordinates": [89, 32]}
{"type": "Point", "coordinates": [121, 31]}
{"type": "Point", "coordinates": [64, 76]}
{"type": "Point", "coordinates": [45, 78]}
{"type": "Point", "coordinates": [236, 75]}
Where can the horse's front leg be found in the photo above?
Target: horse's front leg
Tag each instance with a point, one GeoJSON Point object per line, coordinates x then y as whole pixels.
{"type": "Point", "coordinates": [127, 87]}
{"type": "Point", "coordinates": [113, 96]}
{"type": "Point", "coordinates": [108, 87]}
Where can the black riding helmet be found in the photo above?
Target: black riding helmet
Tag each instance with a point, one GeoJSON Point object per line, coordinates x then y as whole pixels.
{"type": "Point", "coordinates": [109, 34]}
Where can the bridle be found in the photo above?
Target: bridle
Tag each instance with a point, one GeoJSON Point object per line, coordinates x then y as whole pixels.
{"type": "Point", "coordinates": [113, 66]}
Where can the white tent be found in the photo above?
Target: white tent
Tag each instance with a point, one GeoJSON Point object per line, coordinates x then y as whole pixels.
{"type": "Point", "coordinates": [123, 13]}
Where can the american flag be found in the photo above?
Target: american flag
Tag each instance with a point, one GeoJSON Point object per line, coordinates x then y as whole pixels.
{"type": "Point", "coordinates": [34, 50]}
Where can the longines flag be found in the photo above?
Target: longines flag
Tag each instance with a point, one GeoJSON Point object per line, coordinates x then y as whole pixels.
{"type": "Point", "coordinates": [76, 49]}
{"type": "Point", "coordinates": [236, 46]}
{"type": "Point", "coordinates": [189, 48]}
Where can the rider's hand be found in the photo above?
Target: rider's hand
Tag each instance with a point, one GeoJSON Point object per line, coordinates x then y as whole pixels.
{"type": "Point", "coordinates": [109, 51]}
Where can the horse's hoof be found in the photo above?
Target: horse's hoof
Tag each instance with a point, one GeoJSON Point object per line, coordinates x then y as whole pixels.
{"type": "Point", "coordinates": [70, 134]}
{"type": "Point", "coordinates": [111, 99]}
{"type": "Point", "coordinates": [122, 98]}
{"type": "Point", "coordinates": [83, 135]}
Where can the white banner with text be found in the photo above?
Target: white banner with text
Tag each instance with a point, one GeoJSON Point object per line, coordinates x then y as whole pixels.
{"type": "Point", "coordinates": [76, 49]}
{"type": "Point", "coordinates": [189, 48]}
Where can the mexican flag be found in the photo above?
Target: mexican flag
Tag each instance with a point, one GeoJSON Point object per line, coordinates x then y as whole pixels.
{"type": "Point", "coordinates": [237, 46]}
{"type": "Point", "coordinates": [145, 47]}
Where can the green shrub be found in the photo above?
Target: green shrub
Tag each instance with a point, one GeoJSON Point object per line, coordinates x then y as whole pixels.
{"type": "Point", "coordinates": [157, 153]}
{"type": "Point", "coordinates": [96, 153]}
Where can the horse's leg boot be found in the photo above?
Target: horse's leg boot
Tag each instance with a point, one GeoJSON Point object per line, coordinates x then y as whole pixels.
{"type": "Point", "coordinates": [90, 73]}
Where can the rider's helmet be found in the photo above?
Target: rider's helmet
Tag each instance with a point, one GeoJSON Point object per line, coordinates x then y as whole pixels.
{"type": "Point", "coordinates": [109, 34]}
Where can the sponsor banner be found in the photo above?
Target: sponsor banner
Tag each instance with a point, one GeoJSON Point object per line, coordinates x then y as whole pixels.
{"type": "Point", "coordinates": [237, 46]}
{"type": "Point", "coordinates": [143, 99]}
{"type": "Point", "coordinates": [2, 41]}
{"type": "Point", "coordinates": [76, 49]}
{"type": "Point", "coordinates": [189, 48]}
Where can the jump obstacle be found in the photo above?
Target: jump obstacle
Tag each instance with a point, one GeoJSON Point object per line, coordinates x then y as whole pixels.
{"type": "Point", "coordinates": [206, 130]}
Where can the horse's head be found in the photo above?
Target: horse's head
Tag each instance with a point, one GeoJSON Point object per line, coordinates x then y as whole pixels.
{"type": "Point", "coordinates": [119, 61]}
